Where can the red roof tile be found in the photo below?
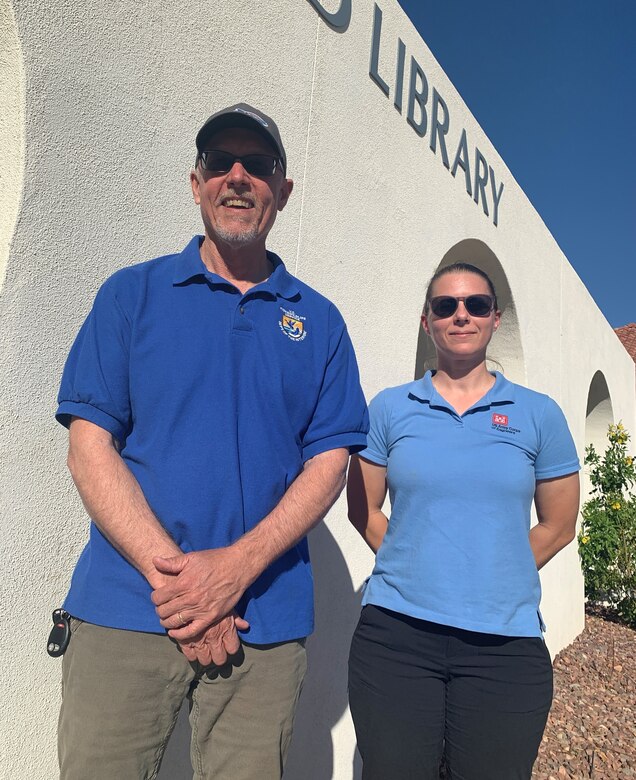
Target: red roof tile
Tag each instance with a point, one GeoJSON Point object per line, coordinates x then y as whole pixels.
{"type": "Point", "coordinates": [627, 334]}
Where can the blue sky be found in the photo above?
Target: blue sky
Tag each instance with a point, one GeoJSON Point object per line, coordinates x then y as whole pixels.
{"type": "Point", "coordinates": [553, 84]}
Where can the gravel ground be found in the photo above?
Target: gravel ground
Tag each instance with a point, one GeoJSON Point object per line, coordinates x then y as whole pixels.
{"type": "Point", "coordinates": [591, 732]}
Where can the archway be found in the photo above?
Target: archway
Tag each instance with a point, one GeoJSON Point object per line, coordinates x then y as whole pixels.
{"type": "Point", "coordinates": [506, 350]}
{"type": "Point", "coordinates": [599, 415]}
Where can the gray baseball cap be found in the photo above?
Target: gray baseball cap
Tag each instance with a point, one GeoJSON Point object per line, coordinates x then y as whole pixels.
{"type": "Point", "coordinates": [243, 115]}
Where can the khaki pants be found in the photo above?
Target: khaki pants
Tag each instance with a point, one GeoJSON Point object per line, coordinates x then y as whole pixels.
{"type": "Point", "coordinates": [122, 692]}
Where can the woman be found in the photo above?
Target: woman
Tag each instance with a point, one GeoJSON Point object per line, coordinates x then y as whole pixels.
{"type": "Point", "coordinates": [448, 658]}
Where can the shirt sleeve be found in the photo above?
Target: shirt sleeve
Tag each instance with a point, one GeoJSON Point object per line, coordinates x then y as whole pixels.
{"type": "Point", "coordinates": [340, 418]}
{"type": "Point", "coordinates": [377, 450]}
{"type": "Point", "coordinates": [95, 379]}
{"type": "Point", "coordinates": [557, 454]}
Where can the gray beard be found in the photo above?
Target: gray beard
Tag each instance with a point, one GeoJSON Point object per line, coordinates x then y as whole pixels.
{"type": "Point", "coordinates": [237, 238]}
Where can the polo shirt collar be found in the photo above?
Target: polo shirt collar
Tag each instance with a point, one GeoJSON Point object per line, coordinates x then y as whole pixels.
{"type": "Point", "coordinates": [502, 391]}
{"type": "Point", "coordinates": [281, 282]}
{"type": "Point", "coordinates": [189, 265]}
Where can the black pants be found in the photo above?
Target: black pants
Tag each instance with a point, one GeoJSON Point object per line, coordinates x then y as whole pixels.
{"type": "Point", "coordinates": [419, 691]}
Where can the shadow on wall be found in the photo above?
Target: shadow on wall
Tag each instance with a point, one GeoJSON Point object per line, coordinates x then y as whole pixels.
{"type": "Point", "coordinates": [324, 697]}
{"type": "Point", "coordinates": [506, 350]}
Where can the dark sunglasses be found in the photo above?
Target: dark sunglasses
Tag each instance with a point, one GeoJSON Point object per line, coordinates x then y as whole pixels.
{"type": "Point", "coordinates": [476, 305]}
{"type": "Point", "coordinates": [219, 162]}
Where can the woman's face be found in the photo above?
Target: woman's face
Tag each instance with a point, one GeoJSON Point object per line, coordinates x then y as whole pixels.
{"type": "Point", "coordinates": [461, 335]}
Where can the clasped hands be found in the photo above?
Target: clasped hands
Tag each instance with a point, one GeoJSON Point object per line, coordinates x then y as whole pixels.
{"type": "Point", "coordinates": [196, 604]}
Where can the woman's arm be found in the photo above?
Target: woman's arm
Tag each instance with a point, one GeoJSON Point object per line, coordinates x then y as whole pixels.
{"type": "Point", "coordinates": [366, 491]}
{"type": "Point", "coordinates": [557, 504]}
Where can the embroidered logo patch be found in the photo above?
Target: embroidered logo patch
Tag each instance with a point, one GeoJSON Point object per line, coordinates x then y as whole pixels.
{"type": "Point", "coordinates": [292, 325]}
{"type": "Point", "coordinates": [500, 423]}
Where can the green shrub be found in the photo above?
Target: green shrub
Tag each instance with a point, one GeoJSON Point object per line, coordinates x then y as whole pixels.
{"type": "Point", "coordinates": [607, 540]}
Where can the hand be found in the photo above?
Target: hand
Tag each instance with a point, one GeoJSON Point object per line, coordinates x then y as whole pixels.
{"type": "Point", "coordinates": [216, 643]}
{"type": "Point", "coordinates": [204, 587]}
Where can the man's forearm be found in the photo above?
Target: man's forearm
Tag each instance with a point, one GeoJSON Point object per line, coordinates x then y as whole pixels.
{"type": "Point", "coordinates": [115, 502]}
{"type": "Point", "coordinates": [209, 583]}
{"type": "Point", "coordinates": [304, 505]}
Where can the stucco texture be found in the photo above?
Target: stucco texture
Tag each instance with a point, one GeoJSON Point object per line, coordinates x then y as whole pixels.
{"type": "Point", "coordinates": [11, 129]}
{"type": "Point", "coordinates": [103, 105]}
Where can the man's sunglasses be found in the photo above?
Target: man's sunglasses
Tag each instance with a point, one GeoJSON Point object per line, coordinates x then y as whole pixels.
{"type": "Point", "coordinates": [476, 305]}
{"type": "Point", "coordinates": [219, 162]}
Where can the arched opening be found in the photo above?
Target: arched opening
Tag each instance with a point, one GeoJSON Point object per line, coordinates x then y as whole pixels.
{"type": "Point", "coordinates": [506, 351]}
{"type": "Point", "coordinates": [599, 415]}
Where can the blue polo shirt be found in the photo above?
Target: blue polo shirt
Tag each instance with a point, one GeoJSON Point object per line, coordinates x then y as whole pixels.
{"type": "Point", "coordinates": [217, 399]}
{"type": "Point", "coordinates": [456, 551]}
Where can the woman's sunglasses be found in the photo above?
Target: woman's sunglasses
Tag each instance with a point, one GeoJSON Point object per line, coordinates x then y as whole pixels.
{"type": "Point", "coordinates": [259, 165]}
{"type": "Point", "coordinates": [476, 305]}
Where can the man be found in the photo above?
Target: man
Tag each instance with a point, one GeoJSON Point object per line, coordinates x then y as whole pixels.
{"type": "Point", "coordinates": [212, 401]}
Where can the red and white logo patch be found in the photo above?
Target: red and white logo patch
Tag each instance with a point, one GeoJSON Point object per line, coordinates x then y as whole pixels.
{"type": "Point", "coordinates": [500, 419]}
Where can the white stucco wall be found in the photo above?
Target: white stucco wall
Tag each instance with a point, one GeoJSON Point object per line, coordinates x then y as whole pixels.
{"type": "Point", "coordinates": [99, 108]}
{"type": "Point", "coordinates": [11, 129]}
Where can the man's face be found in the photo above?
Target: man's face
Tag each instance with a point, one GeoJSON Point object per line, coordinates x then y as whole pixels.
{"type": "Point", "coordinates": [239, 209]}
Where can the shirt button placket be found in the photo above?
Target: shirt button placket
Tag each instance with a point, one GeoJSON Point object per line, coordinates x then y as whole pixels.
{"type": "Point", "coordinates": [242, 322]}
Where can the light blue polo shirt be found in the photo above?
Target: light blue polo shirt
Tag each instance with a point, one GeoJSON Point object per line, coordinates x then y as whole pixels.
{"type": "Point", "coordinates": [456, 551]}
{"type": "Point", "coordinates": [217, 399]}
